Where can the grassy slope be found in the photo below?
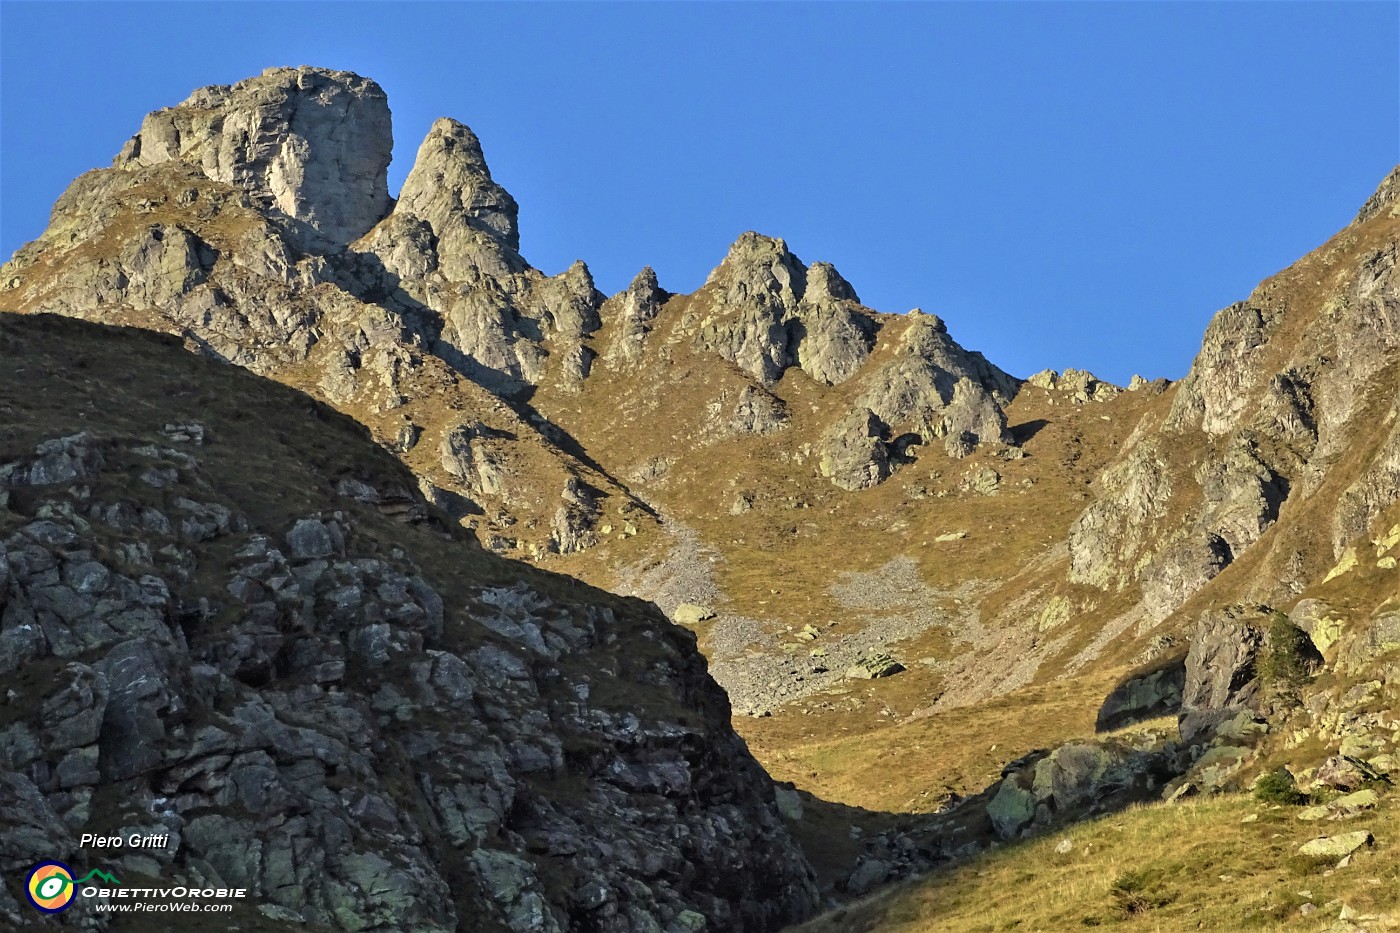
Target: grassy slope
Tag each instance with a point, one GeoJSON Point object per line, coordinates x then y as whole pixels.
{"type": "Point", "coordinates": [778, 559]}
{"type": "Point", "coordinates": [1160, 868]}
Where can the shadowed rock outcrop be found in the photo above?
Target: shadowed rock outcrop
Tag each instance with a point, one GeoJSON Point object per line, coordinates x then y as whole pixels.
{"type": "Point", "coordinates": [370, 725]}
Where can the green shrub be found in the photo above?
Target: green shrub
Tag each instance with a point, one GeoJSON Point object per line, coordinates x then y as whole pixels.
{"type": "Point", "coordinates": [1137, 892]}
{"type": "Point", "coordinates": [1287, 660]}
{"type": "Point", "coordinates": [1278, 786]}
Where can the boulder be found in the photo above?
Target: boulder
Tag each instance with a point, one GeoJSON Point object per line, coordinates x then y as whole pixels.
{"type": "Point", "coordinates": [1220, 679]}
{"type": "Point", "coordinates": [1012, 809]}
{"type": "Point", "coordinates": [692, 614]}
{"type": "Point", "coordinates": [880, 665]}
{"type": "Point", "coordinates": [983, 481]}
{"type": "Point", "coordinates": [855, 454]}
{"type": "Point", "coordinates": [1074, 774]}
{"type": "Point", "coordinates": [1355, 802]}
{"type": "Point", "coordinates": [789, 802]}
{"type": "Point", "coordinates": [869, 873]}
{"type": "Point", "coordinates": [310, 539]}
{"type": "Point", "coordinates": [1335, 847]}
{"type": "Point", "coordinates": [1345, 773]}
{"type": "Point", "coordinates": [1144, 696]}
{"type": "Point", "coordinates": [1324, 625]}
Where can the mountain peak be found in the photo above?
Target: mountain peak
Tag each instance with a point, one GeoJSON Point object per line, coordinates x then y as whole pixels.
{"type": "Point", "coordinates": [309, 143]}
{"type": "Point", "coordinates": [759, 269]}
{"type": "Point", "coordinates": [450, 186]}
{"type": "Point", "coordinates": [1385, 196]}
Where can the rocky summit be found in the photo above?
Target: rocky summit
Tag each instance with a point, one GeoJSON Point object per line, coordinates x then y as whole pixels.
{"type": "Point", "coordinates": [408, 587]}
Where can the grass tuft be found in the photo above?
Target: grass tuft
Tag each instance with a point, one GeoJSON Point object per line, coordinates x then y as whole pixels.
{"type": "Point", "coordinates": [1137, 892]}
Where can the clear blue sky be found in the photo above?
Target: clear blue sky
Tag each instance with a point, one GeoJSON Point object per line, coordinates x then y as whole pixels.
{"type": "Point", "coordinates": [1067, 184]}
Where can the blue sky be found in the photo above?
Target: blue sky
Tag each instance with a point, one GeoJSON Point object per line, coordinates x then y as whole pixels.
{"type": "Point", "coordinates": [1067, 184]}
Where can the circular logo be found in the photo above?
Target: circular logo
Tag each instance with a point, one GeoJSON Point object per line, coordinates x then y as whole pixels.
{"type": "Point", "coordinates": [50, 887]}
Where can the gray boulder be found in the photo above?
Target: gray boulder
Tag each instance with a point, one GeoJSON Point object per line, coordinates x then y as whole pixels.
{"type": "Point", "coordinates": [1335, 847]}
{"type": "Point", "coordinates": [855, 454]}
{"type": "Point", "coordinates": [1245, 665]}
{"type": "Point", "coordinates": [309, 539]}
{"type": "Point", "coordinates": [1221, 675]}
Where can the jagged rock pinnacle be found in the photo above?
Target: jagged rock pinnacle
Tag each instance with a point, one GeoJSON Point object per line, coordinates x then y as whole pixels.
{"type": "Point", "coordinates": [451, 188]}
{"type": "Point", "coordinates": [760, 269]}
{"type": "Point", "coordinates": [634, 309]}
{"type": "Point", "coordinates": [824, 282]}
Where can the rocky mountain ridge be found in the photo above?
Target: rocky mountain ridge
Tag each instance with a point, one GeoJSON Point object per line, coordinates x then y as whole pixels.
{"type": "Point", "coordinates": [436, 272]}
{"type": "Point", "coordinates": [868, 527]}
{"type": "Point", "coordinates": [253, 220]}
{"type": "Point", "coordinates": [217, 223]}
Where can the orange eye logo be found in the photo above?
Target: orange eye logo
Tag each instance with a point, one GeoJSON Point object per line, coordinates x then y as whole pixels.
{"type": "Point", "coordinates": [50, 887]}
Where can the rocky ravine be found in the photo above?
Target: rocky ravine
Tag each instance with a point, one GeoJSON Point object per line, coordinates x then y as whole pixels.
{"type": "Point", "coordinates": [368, 724]}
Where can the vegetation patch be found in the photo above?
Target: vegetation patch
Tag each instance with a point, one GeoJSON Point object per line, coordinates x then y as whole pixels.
{"type": "Point", "coordinates": [1137, 892]}
{"type": "Point", "coordinates": [1287, 661]}
{"type": "Point", "coordinates": [1278, 786]}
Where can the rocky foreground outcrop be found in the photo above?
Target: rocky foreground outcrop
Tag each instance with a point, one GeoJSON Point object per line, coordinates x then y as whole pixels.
{"type": "Point", "coordinates": [321, 697]}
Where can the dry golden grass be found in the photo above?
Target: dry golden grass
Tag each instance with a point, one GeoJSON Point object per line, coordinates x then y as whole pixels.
{"type": "Point", "coordinates": [1158, 867]}
{"type": "Point", "coordinates": [910, 766]}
